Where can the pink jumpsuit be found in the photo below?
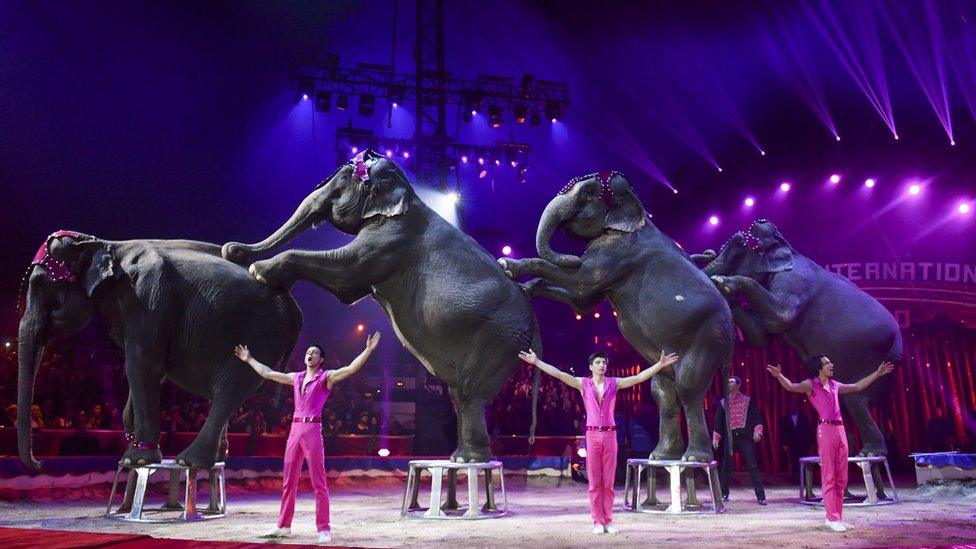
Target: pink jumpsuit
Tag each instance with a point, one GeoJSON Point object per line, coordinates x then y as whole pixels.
{"type": "Point", "coordinates": [601, 447]}
{"type": "Point", "coordinates": [305, 443]}
{"type": "Point", "coordinates": [832, 447]}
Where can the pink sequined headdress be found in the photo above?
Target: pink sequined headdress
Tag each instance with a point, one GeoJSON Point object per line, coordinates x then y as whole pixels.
{"type": "Point", "coordinates": [58, 268]}
{"type": "Point", "coordinates": [604, 177]}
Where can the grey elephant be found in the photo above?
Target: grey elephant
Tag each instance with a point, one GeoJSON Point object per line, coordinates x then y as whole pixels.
{"type": "Point", "coordinates": [817, 312]}
{"type": "Point", "coordinates": [449, 302]}
{"type": "Point", "coordinates": [176, 308]}
{"type": "Point", "coordinates": [662, 300]}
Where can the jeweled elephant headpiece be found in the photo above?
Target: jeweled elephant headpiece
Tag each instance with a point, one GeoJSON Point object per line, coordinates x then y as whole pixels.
{"type": "Point", "coordinates": [775, 252]}
{"type": "Point", "coordinates": [585, 208]}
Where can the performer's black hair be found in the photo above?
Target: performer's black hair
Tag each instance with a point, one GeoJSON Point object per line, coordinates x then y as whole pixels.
{"type": "Point", "coordinates": [737, 380]}
{"type": "Point", "coordinates": [596, 355]}
{"type": "Point", "coordinates": [815, 364]}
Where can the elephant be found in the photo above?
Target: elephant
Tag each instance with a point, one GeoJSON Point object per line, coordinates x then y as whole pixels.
{"type": "Point", "coordinates": [176, 308]}
{"type": "Point", "coordinates": [815, 311]}
{"type": "Point", "coordinates": [662, 301]}
{"type": "Point", "coordinates": [449, 303]}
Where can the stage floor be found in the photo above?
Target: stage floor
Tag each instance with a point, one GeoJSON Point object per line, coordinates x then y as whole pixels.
{"type": "Point", "coordinates": [546, 513]}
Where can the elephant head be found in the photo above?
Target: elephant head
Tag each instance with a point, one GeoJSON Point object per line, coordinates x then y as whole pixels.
{"type": "Point", "coordinates": [760, 252]}
{"type": "Point", "coordinates": [67, 271]}
{"type": "Point", "coordinates": [587, 207]}
{"type": "Point", "coordinates": [368, 187]}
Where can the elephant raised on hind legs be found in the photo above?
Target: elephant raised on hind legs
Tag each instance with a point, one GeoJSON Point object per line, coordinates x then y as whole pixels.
{"type": "Point", "coordinates": [176, 308]}
{"type": "Point", "coordinates": [817, 312]}
{"type": "Point", "coordinates": [449, 302]}
{"type": "Point", "coordinates": [662, 300]}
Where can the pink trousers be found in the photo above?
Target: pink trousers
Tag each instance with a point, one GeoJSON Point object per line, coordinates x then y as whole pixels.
{"type": "Point", "coordinates": [304, 443]}
{"type": "Point", "coordinates": [832, 447]}
{"type": "Point", "coordinates": [601, 469]}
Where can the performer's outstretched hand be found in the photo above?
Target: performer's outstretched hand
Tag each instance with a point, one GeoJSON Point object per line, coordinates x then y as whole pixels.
{"type": "Point", "coordinates": [528, 356]}
{"type": "Point", "coordinates": [242, 352]}
{"type": "Point", "coordinates": [885, 368]}
{"type": "Point", "coordinates": [774, 371]}
{"type": "Point", "coordinates": [372, 341]}
{"type": "Point", "coordinates": [667, 360]}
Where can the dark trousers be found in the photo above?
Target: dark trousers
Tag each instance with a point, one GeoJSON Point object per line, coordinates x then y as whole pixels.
{"type": "Point", "coordinates": [742, 443]}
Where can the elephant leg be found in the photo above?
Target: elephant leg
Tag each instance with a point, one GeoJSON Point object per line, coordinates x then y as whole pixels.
{"type": "Point", "coordinates": [693, 373]}
{"type": "Point", "coordinates": [143, 368]}
{"type": "Point", "coordinates": [670, 442]}
{"type": "Point", "coordinates": [129, 424]}
{"type": "Point", "coordinates": [776, 312]}
{"type": "Point", "coordinates": [223, 446]}
{"type": "Point", "coordinates": [232, 385]}
{"type": "Point", "coordinates": [751, 327]}
{"type": "Point", "coordinates": [473, 444]}
{"type": "Point", "coordinates": [872, 440]}
{"type": "Point", "coordinates": [582, 285]}
{"type": "Point", "coordinates": [544, 288]}
{"type": "Point", "coordinates": [346, 272]}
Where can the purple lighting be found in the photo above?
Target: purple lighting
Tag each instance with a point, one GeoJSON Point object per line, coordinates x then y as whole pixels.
{"type": "Point", "coordinates": [406, 154]}
{"type": "Point", "coordinates": [749, 202]}
{"type": "Point", "coordinates": [915, 189]}
{"type": "Point", "coordinates": [835, 179]}
{"type": "Point", "coordinates": [762, 152]}
{"type": "Point", "coordinates": [481, 160]}
{"type": "Point", "coordinates": [713, 220]}
{"type": "Point", "coordinates": [474, 113]}
{"type": "Point", "coordinates": [355, 150]}
{"type": "Point", "coordinates": [506, 250]}
{"type": "Point", "coordinates": [785, 186]}
{"type": "Point", "coordinates": [304, 97]}
{"type": "Point", "coordinates": [464, 159]}
{"type": "Point", "coordinates": [389, 153]}
{"type": "Point", "coordinates": [869, 183]}
{"type": "Point", "coordinates": [837, 137]}
{"type": "Point", "coordinates": [963, 208]}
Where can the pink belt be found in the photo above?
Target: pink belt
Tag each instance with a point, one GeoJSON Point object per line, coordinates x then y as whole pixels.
{"type": "Point", "coordinates": [301, 419]}
{"type": "Point", "coordinates": [601, 427]}
{"type": "Point", "coordinates": [830, 422]}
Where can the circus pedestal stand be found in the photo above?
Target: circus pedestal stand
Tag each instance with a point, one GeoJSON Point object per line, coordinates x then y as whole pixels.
{"type": "Point", "coordinates": [680, 473]}
{"type": "Point", "coordinates": [449, 508]}
{"type": "Point", "coordinates": [140, 476]}
{"type": "Point", "coordinates": [873, 481]}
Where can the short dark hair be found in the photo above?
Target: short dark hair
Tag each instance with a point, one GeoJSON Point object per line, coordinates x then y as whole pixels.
{"type": "Point", "coordinates": [319, 347]}
{"type": "Point", "coordinates": [737, 380]}
{"type": "Point", "coordinates": [596, 355]}
{"type": "Point", "coordinates": [815, 364]}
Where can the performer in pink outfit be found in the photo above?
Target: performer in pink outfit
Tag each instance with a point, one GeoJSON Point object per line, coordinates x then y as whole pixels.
{"type": "Point", "coordinates": [823, 393]}
{"type": "Point", "coordinates": [311, 389]}
{"type": "Point", "coordinates": [599, 399]}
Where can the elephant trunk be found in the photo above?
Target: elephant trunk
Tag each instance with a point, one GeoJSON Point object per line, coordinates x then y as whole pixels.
{"type": "Point", "coordinates": [556, 213]}
{"type": "Point", "coordinates": [30, 348]}
{"type": "Point", "coordinates": [719, 265]}
{"type": "Point", "coordinates": [298, 222]}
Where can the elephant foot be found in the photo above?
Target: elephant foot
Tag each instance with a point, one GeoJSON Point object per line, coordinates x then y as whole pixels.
{"type": "Point", "coordinates": [872, 450]}
{"type": "Point", "coordinates": [471, 455]}
{"type": "Point", "coordinates": [700, 454]}
{"type": "Point", "coordinates": [666, 450]}
{"type": "Point", "coordinates": [138, 457]}
{"type": "Point", "coordinates": [197, 458]}
{"type": "Point", "coordinates": [172, 506]}
{"type": "Point", "coordinates": [508, 272]}
{"type": "Point", "coordinates": [724, 285]}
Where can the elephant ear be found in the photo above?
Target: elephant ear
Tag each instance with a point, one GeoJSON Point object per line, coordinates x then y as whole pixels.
{"type": "Point", "coordinates": [90, 259]}
{"type": "Point", "coordinates": [776, 258]}
{"type": "Point", "coordinates": [145, 270]}
{"type": "Point", "coordinates": [627, 213]}
{"type": "Point", "coordinates": [388, 191]}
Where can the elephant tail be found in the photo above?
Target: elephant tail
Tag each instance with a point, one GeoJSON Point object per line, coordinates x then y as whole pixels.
{"type": "Point", "coordinates": [536, 377]}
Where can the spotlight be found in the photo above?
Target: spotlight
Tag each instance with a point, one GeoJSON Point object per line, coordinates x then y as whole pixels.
{"type": "Point", "coordinates": [389, 153]}
{"type": "Point", "coordinates": [360, 327]}
{"type": "Point", "coordinates": [396, 96]}
{"type": "Point", "coordinates": [481, 161]}
{"type": "Point", "coordinates": [762, 152]}
{"type": "Point", "coordinates": [553, 110]}
{"type": "Point", "coordinates": [506, 250]}
{"type": "Point", "coordinates": [498, 162]}
{"type": "Point", "coordinates": [963, 208]}
{"type": "Point", "coordinates": [749, 202]}
{"type": "Point", "coordinates": [472, 102]}
{"type": "Point", "coordinates": [521, 113]}
{"type": "Point", "coordinates": [837, 137]}
{"type": "Point", "coordinates": [342, 102]}
{"type": "Point", "coordinates": [323, 101]}
{"type": "Point", "coordinates": [367, 104]}
{"type": "Point", "coordinates": [953, 142]}
{"type": "Point", "coordinates": [719, 168]}
{"type": "Point", "coordinates": [495, 119]}
{"type": "Point", "coordinates": [304, 97]}
{"type": "Point", "coordinates": [354, 150]}
{"type": "Point", "coordinates": [896, 137]}
{"type": "Point", "coordinates": [406, 154]}
{"type": "Point", "coordinates": [455, 197]}
{"type": "Point", "coordinates": [915, 189]}
{"type": "Point", "coordinates": [869, 183]}
{"type": "Point", "coordinates": [8, 344]}
{"type": "Point", "coordinates": [464, 159]}
{"type": "Point", "coordinates": [383, 452]}
{"type": "Point", "coordinates": [579, 317]}
{"type": "Point", "coordinates": [535, 118]}
{"type": "Point", "coordinates": [596, 315]}
{"type": "Point", "coordinates": [514, 163]}
{"type": "Point", "coordinates": [713, 220]}
{"type": "Point", "coordinates": [482, 174]}
{"type": "Point", "coordinates": [785, 186]}
{"type": "Point", "coordinates": [835, 179]}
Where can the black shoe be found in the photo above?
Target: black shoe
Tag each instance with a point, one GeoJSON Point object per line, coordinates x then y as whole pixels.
{"type": "Point", "coordinates": [762, 502]}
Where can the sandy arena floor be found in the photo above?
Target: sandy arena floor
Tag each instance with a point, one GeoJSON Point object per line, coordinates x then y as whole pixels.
{"type": "Point", "coordinates": [546, 513]}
